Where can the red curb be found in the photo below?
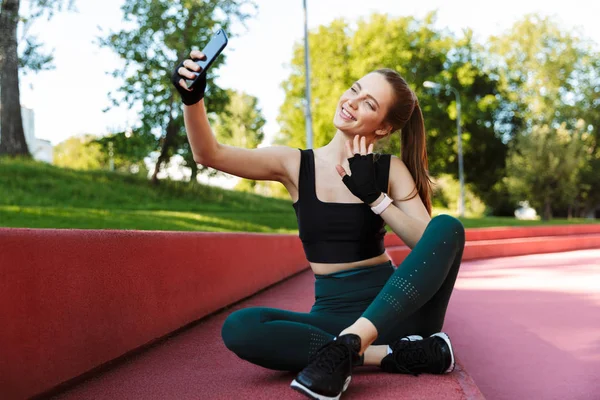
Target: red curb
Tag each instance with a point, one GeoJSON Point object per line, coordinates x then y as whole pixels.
{"type": "Point", "coordinates": [469, 387]}
{"type": "Point", "coordinates": [514, 247]}
{"type": "Point", "coordinates": [477, 234]}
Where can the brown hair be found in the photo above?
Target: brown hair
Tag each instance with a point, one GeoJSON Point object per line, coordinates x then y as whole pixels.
{"type": "Point", "coordinates": [405, 115]}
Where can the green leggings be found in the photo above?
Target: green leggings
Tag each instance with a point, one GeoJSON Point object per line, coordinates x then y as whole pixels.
{"type": "Point", "coordinates": [408, 300]}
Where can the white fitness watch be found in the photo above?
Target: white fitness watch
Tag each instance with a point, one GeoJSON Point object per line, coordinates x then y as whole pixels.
{"type": "Point", "coordinates": [379, 208]}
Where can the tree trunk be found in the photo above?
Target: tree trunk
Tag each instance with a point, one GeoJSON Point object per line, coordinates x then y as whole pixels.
{"type": "Point", "coordinates": [194, 176]}
{"type": "Point", "coordinates": [12, 136]}
{"type": "Point", "coordinates": [167, 144]}
{"type": "Point", "coordinates": [547, 209]}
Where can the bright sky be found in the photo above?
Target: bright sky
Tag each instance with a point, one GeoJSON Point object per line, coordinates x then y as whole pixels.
{"type": "Point", "coordinates": [69, 100]}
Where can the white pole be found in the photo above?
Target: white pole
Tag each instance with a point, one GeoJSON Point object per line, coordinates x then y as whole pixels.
{"type": "Point", "coordinates": [461, 173]}
{"type": "Point", "coordinates": [308, 116]}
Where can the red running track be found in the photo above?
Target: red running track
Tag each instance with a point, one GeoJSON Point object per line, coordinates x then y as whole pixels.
{"type": "Point", "coordinates": [524, 327]}
{"type": "Point", "coordinates": [528, 327]}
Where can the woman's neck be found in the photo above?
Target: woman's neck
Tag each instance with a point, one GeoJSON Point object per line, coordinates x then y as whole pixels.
{"type": "Point", "coordinates": [335, 150]}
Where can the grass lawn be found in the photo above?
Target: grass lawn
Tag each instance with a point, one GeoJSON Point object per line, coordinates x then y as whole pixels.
{"type": "Point", "coordinates": [37, 195]}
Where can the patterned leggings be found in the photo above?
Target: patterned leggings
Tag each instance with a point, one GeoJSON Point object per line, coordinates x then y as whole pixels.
{"type": "Point", "coordinates": [410, 299]}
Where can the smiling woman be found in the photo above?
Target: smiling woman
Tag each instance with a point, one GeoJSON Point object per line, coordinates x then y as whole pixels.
{"type": "Point", "coordinates": [367, 312]}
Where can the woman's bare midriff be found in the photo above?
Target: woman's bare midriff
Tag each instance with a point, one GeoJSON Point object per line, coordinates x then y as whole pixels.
{"type": "Point", "coordinates": [325, 269]}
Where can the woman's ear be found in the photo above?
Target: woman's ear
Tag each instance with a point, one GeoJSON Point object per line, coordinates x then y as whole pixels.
{"type": "Point", "coordinates": [383, 132]}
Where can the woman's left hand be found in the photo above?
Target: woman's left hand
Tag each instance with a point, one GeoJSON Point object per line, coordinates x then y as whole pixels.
{"type": "Point", "coordinates": [361, 182]}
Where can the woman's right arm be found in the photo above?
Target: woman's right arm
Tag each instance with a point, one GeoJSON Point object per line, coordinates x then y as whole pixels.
{"type": "Point", "coordinates": [266, 163]}
{"type": "Point", "coordinates": [274, 163]}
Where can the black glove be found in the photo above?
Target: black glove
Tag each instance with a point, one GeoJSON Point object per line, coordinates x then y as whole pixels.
{"type": "Point", "coordinates": [362, 182]}
{"type": "Point", "coordinates": [196, 92]}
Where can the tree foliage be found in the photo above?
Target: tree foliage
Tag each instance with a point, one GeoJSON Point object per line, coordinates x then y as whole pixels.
{"type": "Point", "coordinates": [240, 124]}
{"type": "Point", "coordinates": [158, 34]}
{"type": "Point", "coordinates": [128, 149]}
{"type": "Point", "coordinates": [544, 166]}
{"type": "Point", "coordinates": [551, 77]}
{"type": "Point", "coordinates": [80, 152]}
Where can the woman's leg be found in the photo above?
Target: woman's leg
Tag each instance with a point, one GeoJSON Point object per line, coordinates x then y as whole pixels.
{"type": "Point", "coordinates": [374, 354]}
{"type": "Point", "coordinates": [279, 339]}
{"type": "Point", "coordinates": [420, 277]}
{"type": "Point", "coordinates": [420, 287]}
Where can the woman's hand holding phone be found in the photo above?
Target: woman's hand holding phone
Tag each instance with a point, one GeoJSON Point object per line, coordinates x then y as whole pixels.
{"type": "Point", "coordinates": [192, 69]}
{"type": "Point", "coordinates": [189, 69]}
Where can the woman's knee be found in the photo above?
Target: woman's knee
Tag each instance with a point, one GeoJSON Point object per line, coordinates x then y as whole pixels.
{"type": "Point", "coordinates": [240, 329]}
{"type": "Point", "coordinates": [448, 223]}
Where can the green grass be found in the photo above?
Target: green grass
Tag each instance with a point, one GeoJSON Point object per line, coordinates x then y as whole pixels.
{"type": "Point", "coordinates": [37, 195]}
{"type": "Point", "coordinates": [487, 222]}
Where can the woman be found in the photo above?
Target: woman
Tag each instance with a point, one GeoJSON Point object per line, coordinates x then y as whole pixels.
{"type": "Point", "coordinates": [367, 312]}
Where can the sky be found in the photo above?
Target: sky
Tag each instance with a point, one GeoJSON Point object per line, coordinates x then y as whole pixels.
{"type": "Point", "coordinates": [69, 100]}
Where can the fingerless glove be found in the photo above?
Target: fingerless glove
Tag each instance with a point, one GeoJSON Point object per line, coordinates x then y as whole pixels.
{"type": "Point", "coordinates": [362, 183]}
{"type": "Point", "coordinates": [196, 92]}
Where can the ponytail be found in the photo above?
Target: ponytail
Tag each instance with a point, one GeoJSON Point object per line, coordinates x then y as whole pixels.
{"type": "Point", "coordinates": [414, 155]}
{"type": "Point", "coordinates": [405, 114]}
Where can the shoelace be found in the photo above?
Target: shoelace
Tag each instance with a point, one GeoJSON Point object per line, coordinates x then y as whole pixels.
{"type": "Point", "coordinates": [412, 355]}
{"type": "Point", "coordinates": [329, 357]}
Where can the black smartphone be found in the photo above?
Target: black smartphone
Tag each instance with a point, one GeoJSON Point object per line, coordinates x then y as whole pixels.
{"type": "Point", "coordinates": [212, 50]}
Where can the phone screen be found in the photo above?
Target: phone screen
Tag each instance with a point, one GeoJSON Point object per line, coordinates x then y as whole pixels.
{"type": "Point", "coordinates": [212, 50]}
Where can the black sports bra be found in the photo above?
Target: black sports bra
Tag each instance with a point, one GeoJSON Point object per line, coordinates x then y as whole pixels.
{"type": "Point", "coordinates": [338, 232]}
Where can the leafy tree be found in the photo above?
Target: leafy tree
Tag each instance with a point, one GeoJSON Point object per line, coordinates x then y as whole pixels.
{"type": "Point", "coordinates": [128, 149]}
{"type": "Point", "coordinates": [445, 195]}
{"type": "Point", "coordinates": [588, 109]}
{"type": "Point", "coordinates": [486, 126]}
{"type": "Point", "coordinates": [12, 141]}
{"type": "Point", "coordinates": [161, 33]}
{"type": "Point", "coordinates": [240, 124]}
{"type": "Point", "coordinates": [80, 152]}
{"type": "Point", "coordinates": [544, 165]}
{"type": "Point", "coordinates": [551, 76]}
{"type": "Point", "coordinates": [540, 64]}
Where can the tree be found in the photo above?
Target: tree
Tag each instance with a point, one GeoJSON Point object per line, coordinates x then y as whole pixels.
{"type": "Point", "coordinates": [540, 63]}
{"type": "Point", "coordinates": [80, 152]}
{"type": "Point", "coordinates": [486, 126]}
{"type": "Point", "coordinates": [544, 165]}
{"type": "Point", "coordinates": [127, 149]}
{"type": "Point", "coordinates": [12, 140]}
{"type": "Point", "coordinates": [240, 124]}
{"type": "Point", "coordinates": [551, 77]}
{"type": "Point", "coordinates": [163, 32]}
{"type": "Point", "coordinates": [588, 110]}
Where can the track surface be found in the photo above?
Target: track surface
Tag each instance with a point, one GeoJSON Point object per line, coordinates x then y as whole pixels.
{"type": "Point", "coordinates": [523, 327]}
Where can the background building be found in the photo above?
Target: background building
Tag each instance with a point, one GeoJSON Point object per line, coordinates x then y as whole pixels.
{"type": "Point", "coordinates": [41, 150]}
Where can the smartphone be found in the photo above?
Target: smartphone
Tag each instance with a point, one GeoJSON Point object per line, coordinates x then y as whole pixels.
{"type": "Point", "coordinates": [212, 50]}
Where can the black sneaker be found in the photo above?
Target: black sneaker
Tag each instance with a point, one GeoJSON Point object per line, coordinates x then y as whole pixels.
{"type": "Point", "coordinates": [329, 372]}
{"type": "Point", "coordinates": [433, 355]}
